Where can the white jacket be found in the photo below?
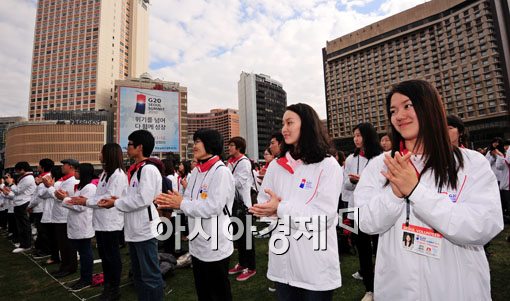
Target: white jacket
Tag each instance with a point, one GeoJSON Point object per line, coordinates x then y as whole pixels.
{"type": "Point", "coordinates": [43, 199]}
{"type": "Point", "coordinates": [499, 168]}
{"type": "Point", "coordinates": [241, 170]}
{"type": "Point", "coordinates": [7, 202]}
{"type": "Point", "coordinates": [108, 219]}
{"type": "Point", "coordinates": [207, 194]}
{"type": "Point", "coordinates": [3, 203]}
{"type": "Point", "coordinates": [139, 196]}
{"type": "Point", "coordinates": [22, 192]}
{"type": "Point", "coordinates": [79, 218]}
{"type": "Point", "coordinates": [502, 165]}
{"type": "Point", "coordinates": [353, 165]}
{"type": "Point", "coordinates": [467, 217]}
{"type": "Point", "coordinates": [59, 213]}
{"type": "Point", "coordinates": [312, 190]}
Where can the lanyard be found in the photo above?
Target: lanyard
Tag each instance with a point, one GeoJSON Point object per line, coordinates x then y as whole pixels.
{"type": "Point", "coordinates": [193, 187]}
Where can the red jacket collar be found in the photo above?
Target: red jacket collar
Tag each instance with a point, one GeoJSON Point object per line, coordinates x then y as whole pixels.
{"type": "Point", "coordinates": [233, 160]}
{"type": "Point", "coordinates": [133, 168]}
{"type": "Point", "coordinates": [203, 167]}
{"type": "Point", "coordinates": [283, 162]}
{"type": "Point", "coordinates": [66, 177]}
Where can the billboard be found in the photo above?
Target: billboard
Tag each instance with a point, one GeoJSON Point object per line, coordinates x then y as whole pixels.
{"type": "Point", "coordinates": [153, 110]}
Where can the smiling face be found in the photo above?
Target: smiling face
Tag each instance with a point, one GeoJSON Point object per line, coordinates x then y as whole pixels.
{"type": "Point", "coordinates": [403, 117]}
{"type": "Point", "coordinates": [291, 130]}
{"type": "Point", "coordinates": [199, 150]}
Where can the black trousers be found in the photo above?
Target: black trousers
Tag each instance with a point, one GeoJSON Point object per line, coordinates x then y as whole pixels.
{"type": "Point", "coordinates": [286, 292]}
{"type": "Point", "coordinates": [23, 226]}
{"type": "Point", "coordinates": [3, 218]}
{"type": "Point", "coordinates": [246, 256]}
{"type": "Point", "coordinates": [211, 280]}
{"type": "Point", "coordinates": [505, 201]}
{"type": "Point", "coordinates": [51, 233]}
{"type": "Point", "coordinates": [41, 242]}
{"type": "Point", "coordinates": [11, 224]}
{"type": "Point", "coordinates": [108, 248]}
{"type": "Point", "coordinates": [366, 244]}
{"type": "Point", "coordinates": [69, 261]}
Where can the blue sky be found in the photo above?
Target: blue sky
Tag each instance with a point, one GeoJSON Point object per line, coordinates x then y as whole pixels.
{"type": "Point", "coordinates": [205, 45]}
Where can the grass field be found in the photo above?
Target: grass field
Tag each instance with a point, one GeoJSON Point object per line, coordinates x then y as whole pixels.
{"type": "Point", "coordinates": [21, 278]}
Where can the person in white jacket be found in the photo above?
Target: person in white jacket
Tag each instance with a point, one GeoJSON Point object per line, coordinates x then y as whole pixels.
{"type": "Point", "coordinates": [207, 202]}
{"type": "Point", "coordinates": [21, 194]}
{"type": "Point", "coordinates": [108, 223]}
{"type": "Point", "coordinates": [445, 198]}
{"type": "Point", "coordinates": [45, 206]}
{"type": "Point", "coordinates": [302, 185]}
{"type": "Point", "coordinates": [79, 224]}
{"type": "Point", "coordinates": [367, 147]}
{"type": "Point", "coordinates": [58, 190]}
{"type": "Point", "coordinates": [139, 214]}
{"type": "Point", "coordinates": [496, 155]}
{"type": "Point", "coordinates": [240, 166]}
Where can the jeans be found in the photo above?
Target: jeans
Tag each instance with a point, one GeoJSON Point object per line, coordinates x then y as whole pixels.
{"type": "Point", "coordinates": [286, 292]}
{"type": "Point", "coordinates": [84, 248]}
{"type": "Point", "coordinates": [108, 249]}
{"type": "Point", "coordinates": [146, 272]}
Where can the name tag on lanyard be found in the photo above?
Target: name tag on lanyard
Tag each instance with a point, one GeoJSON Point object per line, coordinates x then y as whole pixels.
{"type": "Point", "coordinates": [421, 240]}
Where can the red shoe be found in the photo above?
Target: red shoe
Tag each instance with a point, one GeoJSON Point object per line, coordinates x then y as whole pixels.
{"type": "Point", "coordinates": [246, 274]}
{"type": "Point", "coordinates": [235, 270]}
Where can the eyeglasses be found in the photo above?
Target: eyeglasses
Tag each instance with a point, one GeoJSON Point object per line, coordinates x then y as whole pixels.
{"type": "Point", "coordinates": [130, 144]}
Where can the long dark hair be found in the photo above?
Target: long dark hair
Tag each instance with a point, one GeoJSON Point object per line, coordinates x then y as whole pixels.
{"type": "Point", "coordinates": [86, 171]}
{"type": "Point", "coordinates": [439, 154]}
{"type": "Point", "coordinates": [169, 167]}
{"type": "Point", "coordinates": [371, 145]}
{"type": "Point", "coordinates": [314, 143]}
{"type": "Point", "coordinates": [187, 168]}
{"type": "Point", "coordinates": [112, 159]}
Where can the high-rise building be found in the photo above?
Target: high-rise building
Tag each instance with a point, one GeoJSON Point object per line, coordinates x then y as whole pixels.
{"type": "Point", "coordinates": [81, 48]}
{"type": "Point", "coordinates": [461, 47]}
{"type": "Point", "coordinates": [147, 86]}
{"type": "Point", "coordinates": [226, 121]}
{"type": "Point", "coordinates": [262, 102]}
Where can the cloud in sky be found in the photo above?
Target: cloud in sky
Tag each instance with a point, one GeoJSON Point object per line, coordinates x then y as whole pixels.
{"type": "Point", "coordinates": [204, 45]}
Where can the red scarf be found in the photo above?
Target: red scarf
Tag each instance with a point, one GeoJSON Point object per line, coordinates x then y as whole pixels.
{"type": "Point", "coordinates": [233, 160]}
{"type": "Point", "coordinates": [133, 168]}
{"type": "Point", "coordinates": [203, 167]}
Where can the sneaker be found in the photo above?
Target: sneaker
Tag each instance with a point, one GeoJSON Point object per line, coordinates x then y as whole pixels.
{"type": "Point", "coordinates": [271, 289]}
{"type": "Point", "coordinates": [79, 285]}
{"type": "Point", "coordinates": [357, 276]}
{"type": "Point", "coordinates": [51, 261]}
{"type": "Point", "coordinates": [19, 250]}
{"type": "Point", "coordinates": [16, 245]}
{"type": "Point", "coordinates": [246, 274]}
{"type": "Point", "coordinates": [184, 261]}
{"type": "Point", "coordinates": [369, 296]}
{"type": "Point", "coordinates": [236, 269]}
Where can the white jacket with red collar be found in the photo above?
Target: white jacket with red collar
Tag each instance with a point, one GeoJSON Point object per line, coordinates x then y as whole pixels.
{"type": "Point", "coordinates": [242, 172]}
{"type": "Point", "coordinates": [23, 192]}
{"type": "Point", "coordinates": [79, 218]}
{"type": "Point", "coordinates": [306, 190]}
{"type": "Point", "coordinates": [353, 165]}
{"type": "Point", "coordinates": [210, 189]}
{"type": "Point", "coordinates": [467, 217]}
{"type": "Point", "coordinates": [139, 196]}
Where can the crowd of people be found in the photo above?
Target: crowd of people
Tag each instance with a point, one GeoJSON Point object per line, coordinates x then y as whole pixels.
{"type": "Point", "coordinates": [426, 207]}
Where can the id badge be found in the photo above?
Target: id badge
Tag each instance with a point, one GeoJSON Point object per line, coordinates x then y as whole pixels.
{"type": "Point", "coordinates": [421, 240]}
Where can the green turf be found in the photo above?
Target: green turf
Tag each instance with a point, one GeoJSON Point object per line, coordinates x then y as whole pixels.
{"type": "Point", "coordinates": [22, 279]}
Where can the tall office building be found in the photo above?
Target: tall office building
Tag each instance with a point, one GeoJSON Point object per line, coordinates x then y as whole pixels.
{"type": "Point", "coordinates": [462, 47]}
{"type": "Point", "coordinates": [81, 48]}
{"type": "Point", "coordinates": [226, 121]}
{"type": "Point", "coordinates": [262, 102]}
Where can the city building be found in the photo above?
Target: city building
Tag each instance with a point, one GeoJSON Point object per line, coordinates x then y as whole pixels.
{"type": "Point", "coordinates": [226, 121]}
{"type": "Point", "coordinates": [85, 117]}
{"type": "Point", "coordinates": [462, 47]}
{"type": "Point", "coordinates": [81, 48]}
{"type": "Point", "coordinates": [33, 140]}
{"type": "Point", "coordinates": [164, 91]}
{"type": "Point", "coordinates": [262, 102]}
{"type": "Point", "coordinates": [5, 122]}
